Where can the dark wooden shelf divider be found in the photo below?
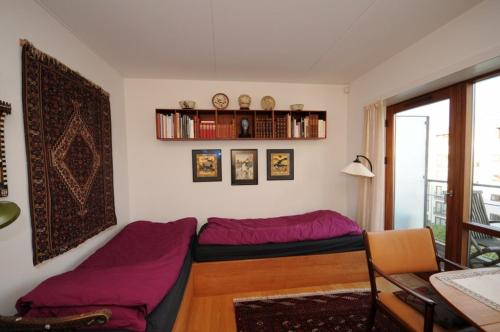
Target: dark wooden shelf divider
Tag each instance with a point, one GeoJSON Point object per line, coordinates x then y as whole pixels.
{"type": "Point", "coordinates": [204, 124]}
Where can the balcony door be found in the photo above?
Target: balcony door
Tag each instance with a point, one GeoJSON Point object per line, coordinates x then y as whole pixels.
{"type": "Point", "coordinates": [421, 166]}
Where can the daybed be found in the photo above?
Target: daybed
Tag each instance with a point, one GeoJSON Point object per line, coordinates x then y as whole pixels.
{"type": "Point", "coordinates": [139, 276]}
{"type": "Point", "coordinates": [317, 232]}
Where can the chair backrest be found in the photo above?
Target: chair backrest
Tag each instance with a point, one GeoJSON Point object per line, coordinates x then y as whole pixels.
{"type": "Point", "coordinates": [478, 214]}
{"type": "Point", "coordinates": [402, 251]}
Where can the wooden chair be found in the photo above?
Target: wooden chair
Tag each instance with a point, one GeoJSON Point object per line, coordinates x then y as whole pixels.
{"type": "Point", "coordinates": [66, 323]}
{"type": "Point", "coordinates": [483, 243]}
{"type": "Point", "coordinates": [399, 252]}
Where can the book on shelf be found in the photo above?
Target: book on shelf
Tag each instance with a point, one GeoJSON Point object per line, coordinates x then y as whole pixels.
{"type": "Point", "coordinates": [321, 128]}
{"type": "Point", "coordinates": [281, 127]}
{"type": "Point", "coordinates": [313, 126]}
{"type": "Point", "coordinates": [226, 129]}
{"type": "Point", "coordinates": [158, 126]}
{"type": "Point", "coordinates": [263, 126]}
{"type": "Point", "coordinates": [164, 128]}
{"type": "Point", "coordinates": [309, 126]}
{"type": "Point", "coordinates": [207, 129]}
{"type": "Point", "coordinates": [174, 125]}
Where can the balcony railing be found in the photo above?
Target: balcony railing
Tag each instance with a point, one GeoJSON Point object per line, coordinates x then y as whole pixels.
{"type": "Point", "coordinates": [436, 200]}
{"type": "Point", "coordinates": [435, 211]}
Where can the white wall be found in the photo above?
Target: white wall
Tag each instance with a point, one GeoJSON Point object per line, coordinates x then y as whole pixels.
{"type": "Point", "coordinates": [160, 174]}
{"type": "Point", "coordinates": [464, 42]}
{"type": "Point", "coordinates": [25, 19]}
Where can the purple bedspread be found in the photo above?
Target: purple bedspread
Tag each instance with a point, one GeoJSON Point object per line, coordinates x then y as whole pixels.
{"type": "Point", "coordinates": [129, 275]}
{"type": "Point", "coordinates": [315, 225]}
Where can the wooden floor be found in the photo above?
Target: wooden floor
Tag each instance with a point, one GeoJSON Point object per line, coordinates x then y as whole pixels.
{"type": "Point", "coordinates": [216, 313]}
{"type": "Point", "coordinates": [208, 301]}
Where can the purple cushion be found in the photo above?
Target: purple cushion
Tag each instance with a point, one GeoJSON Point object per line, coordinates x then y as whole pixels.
{"type": "Point", "coordinates": [315, 225]}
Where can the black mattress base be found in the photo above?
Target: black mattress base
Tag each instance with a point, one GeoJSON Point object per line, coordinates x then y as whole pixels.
{"type": "Point", "coordinates": [208, 253]}
{"type": "Point", "coordinates": [162, 318]}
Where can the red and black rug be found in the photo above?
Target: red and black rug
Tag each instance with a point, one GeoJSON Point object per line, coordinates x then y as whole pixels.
{"type": "Point", "coordinates": [340, 311]}
{"type": "Point", "coordinates": [67, 121]}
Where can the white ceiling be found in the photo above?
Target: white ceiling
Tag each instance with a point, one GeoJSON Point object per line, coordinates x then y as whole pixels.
{"type": "Point", "coordinates": [314, 41]}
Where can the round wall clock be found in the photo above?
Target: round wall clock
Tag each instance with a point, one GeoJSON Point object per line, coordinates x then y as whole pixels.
{"type": "Point", "coordinates": [220, 101]}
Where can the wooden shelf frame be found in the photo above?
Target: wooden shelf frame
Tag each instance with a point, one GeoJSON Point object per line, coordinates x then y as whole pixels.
{"type": "Point", "coordinates": [236, 115]}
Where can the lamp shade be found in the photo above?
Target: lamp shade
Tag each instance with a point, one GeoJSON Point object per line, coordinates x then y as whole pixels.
{"type": "Point", "coordinates": [356, 168]}
{"type": "Point", "coordinates": [9, 212]}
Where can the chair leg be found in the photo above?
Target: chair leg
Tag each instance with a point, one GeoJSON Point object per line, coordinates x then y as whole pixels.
{"type": "Point", "coordinates": [371, 317]}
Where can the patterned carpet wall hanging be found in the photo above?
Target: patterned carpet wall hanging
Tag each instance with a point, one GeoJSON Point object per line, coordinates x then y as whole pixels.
{"type": "Point", "coordinates": [67, 124]}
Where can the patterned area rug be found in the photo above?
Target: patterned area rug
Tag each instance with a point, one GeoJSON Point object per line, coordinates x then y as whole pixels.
{"type": "Point", "coordinates": [343, 311]}
{"type": "Point", "coordinates": [68, 144]}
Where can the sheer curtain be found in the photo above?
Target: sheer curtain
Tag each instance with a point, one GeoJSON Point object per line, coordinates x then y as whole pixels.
{"type": "Point", "coordinates": [371, 196]}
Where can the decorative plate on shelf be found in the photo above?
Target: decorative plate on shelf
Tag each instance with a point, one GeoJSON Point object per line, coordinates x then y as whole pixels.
{"type": "Point", "coordinates": [220, 101]}
{"type": "Point", "coordinates": [267, 103]}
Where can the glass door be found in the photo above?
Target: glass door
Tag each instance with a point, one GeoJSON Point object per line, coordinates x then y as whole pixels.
{"type": "Point", "coordinates": [410, 170]}
{"type": "Point", "coordinates": [418, 137]}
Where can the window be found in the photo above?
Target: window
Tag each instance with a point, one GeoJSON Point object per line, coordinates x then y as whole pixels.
{"type": "Point", "coordinates": [485, 188]}
{"type": "Point", "coordinates": [450, 141]}
{"type": "Point", "coordinates": [440, 208]}
{"type": "Point", "coordinates": [439, 221]}
{"type": "Point", "coordinates": [439, 191]}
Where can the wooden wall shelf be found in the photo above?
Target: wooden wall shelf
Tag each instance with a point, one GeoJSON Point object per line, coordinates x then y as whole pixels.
{"type": "Point", "coordinates": [203, 125]}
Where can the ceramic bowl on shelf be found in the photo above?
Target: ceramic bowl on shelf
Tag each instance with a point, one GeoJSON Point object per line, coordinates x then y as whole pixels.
{"type": "Point", "coordinates": [297, 107]}
{"type": "Point", "coordinates": [187, 104]}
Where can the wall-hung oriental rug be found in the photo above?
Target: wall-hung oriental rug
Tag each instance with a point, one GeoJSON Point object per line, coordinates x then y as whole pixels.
{"type": "Point", "coordinates": [67, 124]}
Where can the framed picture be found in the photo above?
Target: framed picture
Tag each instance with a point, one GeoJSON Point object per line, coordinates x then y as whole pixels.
{"type": "Point", "coordinates": [207, 165]}
{"type": "Point", "coordinates": [244, 167]}
{"type": "Point", "coordinates": [280, 164]}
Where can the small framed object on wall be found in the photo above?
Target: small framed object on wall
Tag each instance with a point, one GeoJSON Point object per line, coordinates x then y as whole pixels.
{"type": "Point", "coordinates": [207, 165]}
{"type": "Point", "coordinates": [280, 164]}
{"type": "Point", "coordinates": [244, 167]}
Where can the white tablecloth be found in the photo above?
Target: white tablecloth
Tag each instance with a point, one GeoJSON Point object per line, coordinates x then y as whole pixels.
{"type": "Point", "coordinates": [481, 284]}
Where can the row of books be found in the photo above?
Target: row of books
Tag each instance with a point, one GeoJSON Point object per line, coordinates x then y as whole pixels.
{"type": "Point", "coordinates": [206, 129]}
{"type": "Point", "coordinates": [306, 127]}
{"type": "Point", "coordinates": [179, 126]}
{"type": "Point", "coordinates": [282, 127]}
{"type": "Point", "coordinates": [226, 129]}
{"type": "Point", "coordinates": [176, 126]}
{"type": "Point", "coordinates": [309, 126]}
{"type": "Point", "coordinates": [184, 126]}
{"type": "Point", "coordinates": [263, 126]}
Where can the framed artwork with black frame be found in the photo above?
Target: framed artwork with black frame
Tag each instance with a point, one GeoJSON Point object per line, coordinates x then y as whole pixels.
{"type": "Point", "coordinates": [244, 167]}
{"type": "Point", "coordinates": [207, 165]}
{"type": "Point", "coordinates": [280, 164]}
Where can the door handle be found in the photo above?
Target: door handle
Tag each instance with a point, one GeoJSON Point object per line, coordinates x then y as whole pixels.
{"type": "Point", "coordinates": [449, 193]}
